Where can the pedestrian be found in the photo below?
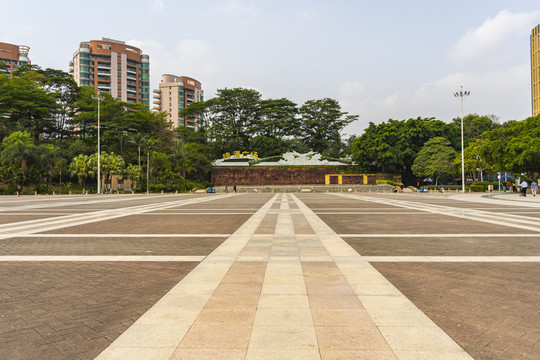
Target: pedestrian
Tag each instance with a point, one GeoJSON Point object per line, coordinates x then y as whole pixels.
{"type": "Point", "coordinates": [524, 185]}
{"type": "Point", "coordinates": [226, 189]}
{"type": "Point", "coordinates": [534, 187]}
{"type": "Point", "coordinates": [19, 190]}
{"type": "Point", "coordinates": [234, 187]}
{"type": "Point", "coordinates": [442, 188]}
{"type": "Point", "coordinates": [504, 186]}
{"type": "Point", "coordinates": [510, 186]}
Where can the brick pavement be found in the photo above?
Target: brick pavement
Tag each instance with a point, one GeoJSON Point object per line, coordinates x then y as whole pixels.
{"type": "Point", "coordinates": [459, 297]}
{"type": "Point", "coordinates": [74, 310]}
{"type": "Point", "coordinates": [81, 245]}
{"type": "Point", "coordinates": [489, 309]}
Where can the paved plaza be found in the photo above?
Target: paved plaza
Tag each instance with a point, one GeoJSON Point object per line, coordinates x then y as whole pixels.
{"type": "Point", "coordinates": [270, 276]}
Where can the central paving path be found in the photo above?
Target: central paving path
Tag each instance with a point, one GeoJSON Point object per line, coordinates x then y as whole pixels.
{"type": "Point", "coordinates": [284, 286]}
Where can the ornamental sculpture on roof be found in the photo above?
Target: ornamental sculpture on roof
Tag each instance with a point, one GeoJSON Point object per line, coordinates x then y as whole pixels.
{"type": "Point", "coordinates": [246, 158]}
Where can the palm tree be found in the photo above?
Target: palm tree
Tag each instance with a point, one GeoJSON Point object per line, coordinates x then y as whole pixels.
{"type": "Point", "coordinates": [111, 164]}
{"type": "Point", "coordinates": [83, 167]}
{"type": "Point", "coordinates": [19, 148]}
{"type": "Point", "coordinates": [49, 155]}
{"type": "Point", "coordinates": [134, 173]}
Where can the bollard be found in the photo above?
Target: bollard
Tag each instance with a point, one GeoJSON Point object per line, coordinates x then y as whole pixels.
{"type": "Point", "coordinates": [162, 191]}
{"type": "Point", "coordinates": [176, 192]}
{"type": "Point", "coordinates": [69, 192]}
{"type": "Point", "coordinates": [132, 192]}
{"type": "Point", "coordinates": [35, 192]}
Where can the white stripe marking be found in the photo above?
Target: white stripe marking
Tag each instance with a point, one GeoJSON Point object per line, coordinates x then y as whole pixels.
{"type": "Point", "coordinates": [111, 258]}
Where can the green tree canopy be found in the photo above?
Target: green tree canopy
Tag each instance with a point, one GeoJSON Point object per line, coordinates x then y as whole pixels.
{"type": "Point", "coordinates": [392, 146]}
{"type": "Point", "coordinates": [321, 124]}
{"type": "Point", "coordinates": [434, 159]}
{"type": "Point", "coordinates": [19, 148]}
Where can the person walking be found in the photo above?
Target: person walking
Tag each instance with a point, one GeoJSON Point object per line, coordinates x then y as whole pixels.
{"type": "Point", "coordinates": [19, 190]}
{"type": "Point", "coordinates": [524, 185]}
{"type": "Point", "coordinates": [504, 186]}
{"type": "Point", "coordinates": [534, 187]}
{"type": "Point", "coordinates": [234, 187]}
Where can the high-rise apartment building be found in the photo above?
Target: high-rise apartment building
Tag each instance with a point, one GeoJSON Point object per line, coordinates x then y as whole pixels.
{"type": "Point", "coordinates": [14, 55]}
{"type": "Point", "coordinates": [114, 67]}
{"type": "Point", "coordinates": [535, 70]}
{"type": "Point", "coordinates": [176, 93]}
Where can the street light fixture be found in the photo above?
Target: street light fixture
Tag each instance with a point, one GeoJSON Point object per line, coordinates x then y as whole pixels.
{"type": "Point", "coordinates": [461, 94]}
{"type": "Point", "coordinates": [99, 98]}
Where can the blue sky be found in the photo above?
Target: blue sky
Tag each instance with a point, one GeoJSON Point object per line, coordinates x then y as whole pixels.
{"type": "Point", "coordinates": [380, 60]}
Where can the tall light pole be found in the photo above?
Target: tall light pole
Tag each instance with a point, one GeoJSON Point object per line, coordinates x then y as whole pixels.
{"type": "Point", "coordinates": [461, 94]}
{"type": "Point", "coordinates": [99, 98]}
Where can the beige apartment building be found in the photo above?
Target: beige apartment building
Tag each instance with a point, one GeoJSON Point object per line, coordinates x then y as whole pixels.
{"type": "Point", "coordinates": [14, 56]}
{"type": "Point", "coordinates": [176, 93]}
{"type": "Point", "coordinates": [114, 67]}
{"type": "Point", "coordinates": [535, 70]}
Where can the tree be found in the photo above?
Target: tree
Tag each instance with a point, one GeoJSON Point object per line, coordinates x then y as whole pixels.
{"type": "Point", "coordinates": [19, 148]}
{"type": "Point", "coordinates": [134, 174]}
{"type": "Point", "coordinates": [474, 158]}
{"type": "Point", "coordinates": [30, 107]}
{"type": "Point", "coordinates": [110, 164]}
{"type": "Point", "coordinates": [321, 124]}
{"type": "Point", "coordinates": [434, 159]}
{"type": "Point", "coordinates": [49, 155]}
{"type": "Point", "coordinates": [392, 146]}
{"type": "Point", "coordinates": [474, 126]}
{"type": "Point", "coordinates": [277, 119]}
{"type": "Point", "coordinates": [514, 146]}
{"type": "Point", "coordinates": [82, 166]}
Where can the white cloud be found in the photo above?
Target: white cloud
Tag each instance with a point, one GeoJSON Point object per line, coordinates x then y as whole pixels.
{"type": "Point", "coordinates": [308, 15]}
{"type": "Point", "coordinates": [237, 8]}
{"type": "Point", "coordinates": [156, 5]}
{"type": "Point", "coordinates": [505, 93]}
{"type": "Point", "coordinates": [497, 36]}
{"type": "Point", "coordinates": [192, 58]}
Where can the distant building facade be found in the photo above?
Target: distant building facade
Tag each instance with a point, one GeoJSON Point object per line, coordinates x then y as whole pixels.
{"type": "Point", "coordinates": [176, 93]}
{"type": "Point", "coordinates": [535, 70]}
{"type": "Point", "coordinates": [114, 67]}
{"type": "Point", "coordinates": [14, 55]}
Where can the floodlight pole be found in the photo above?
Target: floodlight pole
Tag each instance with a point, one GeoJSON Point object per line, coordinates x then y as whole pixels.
{"type": "Point", "coordinates": [461, 94]}
{"type": "Point", "coordinates": [99, 98]}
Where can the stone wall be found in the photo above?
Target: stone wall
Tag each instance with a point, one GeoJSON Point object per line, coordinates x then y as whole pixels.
{"type": "Point", "coordinates": [309, 175]}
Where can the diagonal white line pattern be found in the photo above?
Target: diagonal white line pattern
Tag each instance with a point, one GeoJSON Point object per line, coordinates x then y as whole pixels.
{"type": "Point", "coordinates": [515, 221]}
{"type": "Point", "coordinates": [40, 225]}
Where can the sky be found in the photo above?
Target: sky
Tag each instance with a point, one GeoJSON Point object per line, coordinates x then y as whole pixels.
{"type": "Point", "coordinates": [380, 59]}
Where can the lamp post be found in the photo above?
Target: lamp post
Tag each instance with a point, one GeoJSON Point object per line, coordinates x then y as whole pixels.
{"type": "Point", "coordinates": [99, 98]}
{"type": "Point", "coordinates": [461, 94]}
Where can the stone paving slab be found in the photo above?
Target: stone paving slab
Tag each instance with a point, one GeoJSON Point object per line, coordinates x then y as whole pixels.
{"type": "Point", "coordinates": [300, 278]}
{"type": "Point", "coordinates": [490, 309]}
